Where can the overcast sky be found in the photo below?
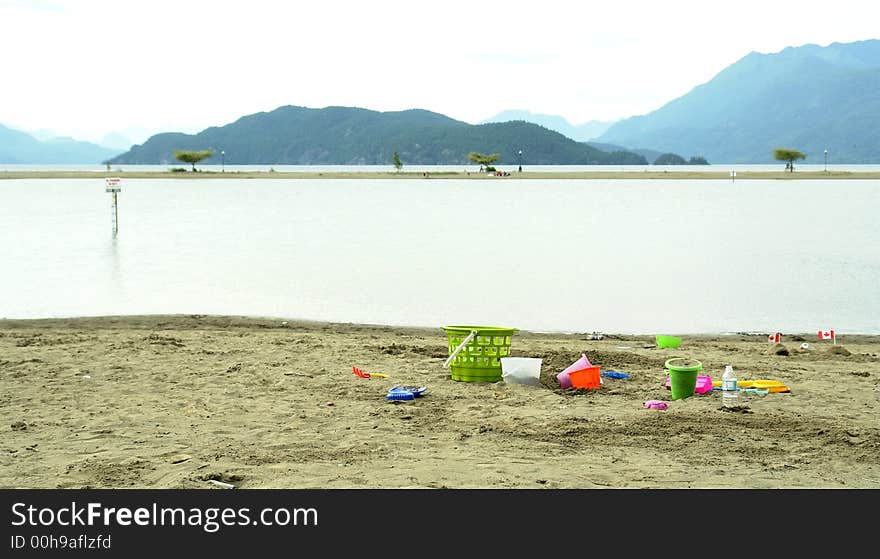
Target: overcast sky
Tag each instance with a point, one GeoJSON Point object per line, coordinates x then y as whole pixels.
{"type": "Point", "coordinates": [84, 68]}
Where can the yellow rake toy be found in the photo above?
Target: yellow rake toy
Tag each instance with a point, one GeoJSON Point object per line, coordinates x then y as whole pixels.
{"type": "Point", "coordinates": [364, 374]}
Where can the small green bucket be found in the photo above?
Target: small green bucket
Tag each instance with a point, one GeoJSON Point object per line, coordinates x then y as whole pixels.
{"type": "Point", "coordinates": [475, 352]}
{"type": "Point", "coordinates": [683, 376]}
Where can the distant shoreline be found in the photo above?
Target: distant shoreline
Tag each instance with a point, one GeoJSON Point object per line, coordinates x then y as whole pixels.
{"type": "Point", "coordinates": [161, 321]}
{"type": "Point", "coordinates": [703, 175]}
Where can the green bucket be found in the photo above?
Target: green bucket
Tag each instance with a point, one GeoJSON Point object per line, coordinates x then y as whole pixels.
{"type": "Point", "coordinates": [667, 341]}
{"type": "Point", "coordinates": [475, 352]}
{"type": "Point", "coordinates": [683, 376]}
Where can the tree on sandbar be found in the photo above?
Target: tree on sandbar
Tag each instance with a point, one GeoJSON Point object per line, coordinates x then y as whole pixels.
{"type": "Point", "coordinates": [783, 154]}
{"type": "Point", "coordinates": [482, 158]}
{"type": "Point", "coordinates": [192, 157]}
{"type": "Point", "coordinates": [397, 163]}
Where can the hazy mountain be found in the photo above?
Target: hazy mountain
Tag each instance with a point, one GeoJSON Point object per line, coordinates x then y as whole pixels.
{"type": "Point", "coordinates": [808, 98]}
{"type": "Point", "coordinates": [649, 154]}
{"type": "Point", "coordinates": [354, 136]}
{"type": "Point", "coordinates": [41, 134]}
{"type": "Point", "coordinates": [17, 147]}
{"type": "Point", "coordinates": [116, 141]}
{"type": "Point", "coordinates": [579, 132]}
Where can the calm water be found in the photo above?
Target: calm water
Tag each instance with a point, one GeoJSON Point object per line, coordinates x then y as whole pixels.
{"type": "Point", "coordinates": [628, 256]}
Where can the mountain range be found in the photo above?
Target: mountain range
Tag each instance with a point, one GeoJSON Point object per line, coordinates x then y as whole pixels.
{"type": "Point", "coordinates": [809, 98]}
{"type": "Point", "coordinates": [293, 135]}
{"type": "Point", "coordinates": [18, 147]}
{"type": "Point", "coordinates": [578, 132]}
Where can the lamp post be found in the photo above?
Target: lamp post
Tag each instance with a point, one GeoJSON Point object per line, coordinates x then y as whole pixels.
{"type": "Point", "coordinates": [826, 160]}
{"type": "Point", "coordinates": [222, 161]}
{"type": "Point", "coordinates": [520, 161]}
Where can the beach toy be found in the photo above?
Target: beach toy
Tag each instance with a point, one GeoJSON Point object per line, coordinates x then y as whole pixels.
{"type": "Point", "coordinates": [585, 378]}
{"type": "Point", "coordinates": [364, 374]}
{"type": "Point", "coordinates": [475, 352]}
{"type": "Point", "coordinates": [761, 391]}
{"type": "Point", "coordinates": [614, 374]}
{"type": "Point", "coordinates": [398, 395]}
{"type": "Point", "coordinates": [521, 370]}
{"type": "Point", "coordinates": [667, 341]}
{"type": "Point", "coordinates": [771, 386]}
{"type": "Point", "coordinates": [656, 405]}
{"type": "Point", "coordinates": [703, 385]}
{"type": "Point", "coordinates": [405, 392]}
{"type": "Point", "coordinates": [563, 377]}
{"type": "Point", "coordinates": [683, 376]}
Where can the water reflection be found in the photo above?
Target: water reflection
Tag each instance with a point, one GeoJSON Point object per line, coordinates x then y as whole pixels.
{"type": "Point", "coordinates": [115, 276]}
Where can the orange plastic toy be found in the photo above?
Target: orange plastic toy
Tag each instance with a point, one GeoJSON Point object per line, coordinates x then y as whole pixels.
{"type": "Point", "coordinates": [585, 378]}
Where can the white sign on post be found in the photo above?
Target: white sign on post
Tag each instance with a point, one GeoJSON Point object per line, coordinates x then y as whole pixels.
{"type": "Point", "coordinates": [112, 185]}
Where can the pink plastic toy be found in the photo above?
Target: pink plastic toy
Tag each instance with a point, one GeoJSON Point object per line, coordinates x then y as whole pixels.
{"type": "Point", "coordinates": [582, 363]}
{"type": "Point", "coordinates": [656, 405]}
{"type": "Point", "coordinates": [704, 384]}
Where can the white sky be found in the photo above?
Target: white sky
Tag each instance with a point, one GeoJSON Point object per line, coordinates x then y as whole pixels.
{"type": "Point", "coordinates": [84, 68]}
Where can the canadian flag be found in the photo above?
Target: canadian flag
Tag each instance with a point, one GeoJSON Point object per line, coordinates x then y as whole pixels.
{"type": "Point", "coordinates": [774, 338]}
{"type": "Point", "coordinates": [826, 334]}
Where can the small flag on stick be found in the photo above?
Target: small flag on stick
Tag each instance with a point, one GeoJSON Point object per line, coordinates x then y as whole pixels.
{"type": "Point", "coordinates": [774, 338]}
{"type": "Point", "coordinates": [827, 335]}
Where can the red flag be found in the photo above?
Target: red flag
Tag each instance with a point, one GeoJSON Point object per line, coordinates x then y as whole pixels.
{"type": "Point", "coordinates": [774, 338]}
{"type": "Point", "coordinates": [826, 334]}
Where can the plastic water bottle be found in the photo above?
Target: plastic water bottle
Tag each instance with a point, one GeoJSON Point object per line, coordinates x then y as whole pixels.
{"type": "Point", "coordinates": [729, 392]}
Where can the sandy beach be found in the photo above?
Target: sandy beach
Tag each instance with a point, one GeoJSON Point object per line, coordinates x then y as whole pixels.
{"type": "Point", "coordinates": [177, 401]}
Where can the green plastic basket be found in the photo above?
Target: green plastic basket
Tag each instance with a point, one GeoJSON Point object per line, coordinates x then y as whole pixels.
{"type": "Point", "coordinates": [479, 360]}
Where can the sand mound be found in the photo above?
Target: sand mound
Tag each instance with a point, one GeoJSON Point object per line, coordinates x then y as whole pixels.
{"type": "Point", "coordinates": [779, 349]}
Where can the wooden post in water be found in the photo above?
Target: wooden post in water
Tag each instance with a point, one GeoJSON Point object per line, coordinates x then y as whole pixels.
{"type": "Point", "coordinates": [112, 185]}
{"type": "Point", "coordinates": [115, 214]}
